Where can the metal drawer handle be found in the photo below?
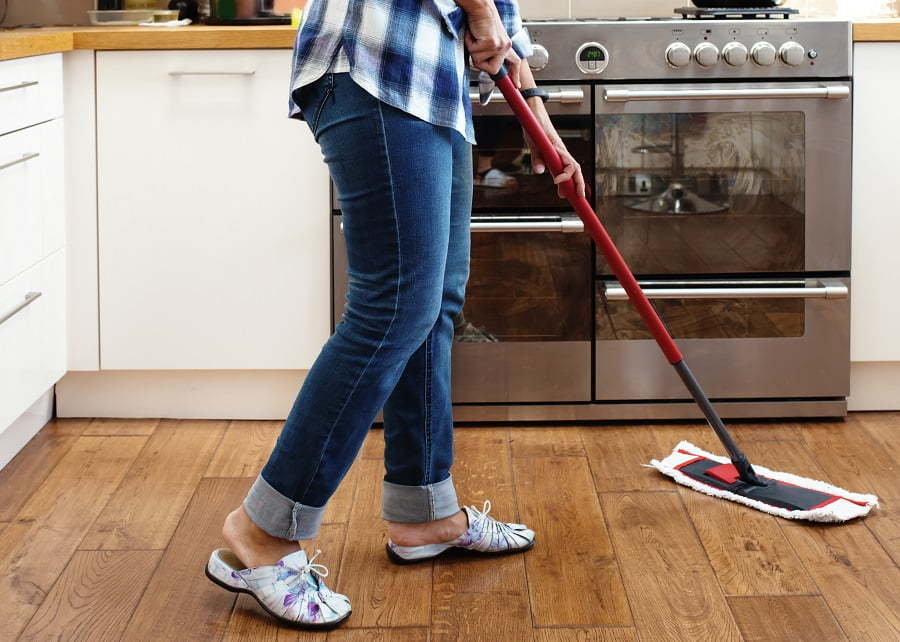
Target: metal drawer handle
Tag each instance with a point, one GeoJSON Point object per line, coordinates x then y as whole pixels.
{"type": "Point", "coordinates": [828, 289]}
{"type": "Point", "coordinates": [626, 95]}
{"type": "Point", "coordinates": [565, 224]}
{"type": "Point", "coordinates": [516, 224]}
{"type": "Point", "coordinates": [212, 73]}
{"type": "Point", "coordinates": [557, 95]}
{"type": "Point", "coordinates": [30, 298]}
{"type": "Point", "coordinates": [25, 158]}
{"type": "Point", "coordinates": [21, 85]}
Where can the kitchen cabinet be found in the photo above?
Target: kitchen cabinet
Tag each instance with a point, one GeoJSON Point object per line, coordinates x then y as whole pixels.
{"type": "Point", "coordinates": [32, 240]}
{"type": "Point", "coordinates": [213, 214]}
{"type": "Point", "coordinates": [876, 226]}
{"type": "Point", "coordinates": [874, 342]}
{"type": "Point", "coordinates": [31, 196]}
{"type": "Point", "coordinates": [31, 91]}
{"type": "Point", "coordinates": [32, 336]}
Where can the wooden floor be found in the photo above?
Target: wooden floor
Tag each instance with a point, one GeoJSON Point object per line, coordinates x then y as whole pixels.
{"type": "Point", "coordinates": [105, 526]}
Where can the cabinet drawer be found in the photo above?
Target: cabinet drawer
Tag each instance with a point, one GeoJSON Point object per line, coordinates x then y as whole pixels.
{"type": "Point", "coordinates": [32, 210]}
{"type": "Point", "coordinates": [32, 335]}
{"type": "Point", "coordinates": [31, 91]}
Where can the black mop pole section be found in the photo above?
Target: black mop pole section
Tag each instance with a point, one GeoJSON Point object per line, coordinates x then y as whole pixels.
{"type": "Point", "coordinates": [738, 458]}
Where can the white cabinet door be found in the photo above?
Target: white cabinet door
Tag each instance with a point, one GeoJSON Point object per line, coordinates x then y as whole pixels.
{"type": "Point", "coordinates": [32, 335]}
{"type": "Point", "coordinates": [876, 223]}
{"type": "Point", "coordinates": [213, 214]}
{"type": "Point", "coordinates": [32, 223]}
{"type": "Point", "coordinates": [31, 91]}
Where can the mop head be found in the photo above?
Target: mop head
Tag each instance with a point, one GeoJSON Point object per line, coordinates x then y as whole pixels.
{"type": "Point", "coordinates": [785, 495]}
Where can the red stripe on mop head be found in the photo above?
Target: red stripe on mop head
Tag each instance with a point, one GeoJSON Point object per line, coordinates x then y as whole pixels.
{"type": "Point", "coordinates": [785, 494]}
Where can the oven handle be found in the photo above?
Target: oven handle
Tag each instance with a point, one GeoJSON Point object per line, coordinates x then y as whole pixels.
{"type": "Point", "coordinates": [627, 95]}
{"type": "Point", "coordinates": [825, 289]}
{"type": "Point", "coordinates": [498, 224]}
{"type": "Point", "coordinates": [555, 95]}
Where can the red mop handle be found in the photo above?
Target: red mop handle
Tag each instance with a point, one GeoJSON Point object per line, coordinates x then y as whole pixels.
{"type": "Point", "coordinates": [591, 222]}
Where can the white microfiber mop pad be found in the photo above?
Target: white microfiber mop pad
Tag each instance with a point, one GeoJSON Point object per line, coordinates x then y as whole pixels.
{"type": "Point", "coordinates": [841, 510]}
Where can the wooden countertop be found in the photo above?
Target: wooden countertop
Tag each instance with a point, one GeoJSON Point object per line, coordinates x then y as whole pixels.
{"type": "Point", "coordinates": [33, 42]}
{"type": "Point", "coordinates": [874, 30]}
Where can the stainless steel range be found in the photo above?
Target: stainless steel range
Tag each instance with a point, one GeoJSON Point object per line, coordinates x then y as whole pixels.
{"type": "Point", "coordinates": [721, 153]}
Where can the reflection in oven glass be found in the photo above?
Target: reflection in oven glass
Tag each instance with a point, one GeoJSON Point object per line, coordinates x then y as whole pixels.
{"type": "Point", "coordinates": [704, 192]}
{"type": "Point", "coordinates": [527, 286]}
{"type": "Point", "coordinates": [502, 164]}
{"type": "Point", "coordinates": [705, 319]}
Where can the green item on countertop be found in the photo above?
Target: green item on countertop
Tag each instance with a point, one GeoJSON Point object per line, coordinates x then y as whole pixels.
{"type": "Point", "coordinates": [226, 9]}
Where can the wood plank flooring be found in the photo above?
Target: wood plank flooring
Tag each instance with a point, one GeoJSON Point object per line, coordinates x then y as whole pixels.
{"type": "Point", "coordinates": [105, 526]}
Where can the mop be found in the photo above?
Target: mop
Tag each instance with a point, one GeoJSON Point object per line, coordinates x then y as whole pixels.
{"type": "Point", "coordinates": [733, 478]}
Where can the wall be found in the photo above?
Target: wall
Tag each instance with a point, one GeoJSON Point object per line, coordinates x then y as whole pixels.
{"type": "Point", "coordinates": [605, 8]}
{"type": "Point", "coordinates": [53, 12]}
{"type": "Point", "coordinates": [74, 11]}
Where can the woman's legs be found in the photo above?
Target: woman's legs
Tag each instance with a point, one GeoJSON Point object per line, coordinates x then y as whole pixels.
{"type": "Point", "coordinates": [394, 174]}
{"type": "Point", "coordinates": [418, 416]}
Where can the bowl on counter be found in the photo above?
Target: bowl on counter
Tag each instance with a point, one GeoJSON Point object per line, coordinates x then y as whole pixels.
{"type": "Point", "coordinates": [129, 17]}
{"type": "Point", "coordinates": [163, 15]}
{"type": "Point", "coordinates": [120, 18]}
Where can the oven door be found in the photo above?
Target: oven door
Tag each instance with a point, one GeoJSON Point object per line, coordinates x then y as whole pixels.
{"type": "Point", "coordinates": [743, 338]}
{"type": "Point", "coordinates": [702, 179]}
{"type": "Point", "coordinates": [525, 331]}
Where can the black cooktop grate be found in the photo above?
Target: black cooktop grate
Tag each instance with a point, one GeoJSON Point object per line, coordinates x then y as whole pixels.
{"type": "Point", "coordinates": [736, 14]}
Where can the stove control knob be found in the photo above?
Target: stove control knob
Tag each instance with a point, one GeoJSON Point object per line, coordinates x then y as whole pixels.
{"type": "Point", "coordinates": [706, 54]}
{"type": "Point", "coordinates": [792, 53]}
{"type": "Point", "coordinates": [763, 54]}
{"type": "Point", "coordinates": [735, 54]}
{"type": "Point", "coordinates": [539, 57]}
{"type": "Point", "coordinates": [678, 55]}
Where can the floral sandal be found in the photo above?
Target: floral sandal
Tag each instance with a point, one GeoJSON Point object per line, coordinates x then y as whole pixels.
{"type": "Point", "coordinates": [485, 536]}
{"type": "Point", "coordinates": [291, 590]}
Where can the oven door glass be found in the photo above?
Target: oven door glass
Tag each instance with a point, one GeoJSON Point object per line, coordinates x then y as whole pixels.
{"type": "Point", "coordinates": [742, 338]}
{"type": "Point", "coordinates": [725, 179]}
{"type": "Point", "coordinates": [503, 178]}
{"type": "Point", "coordinates": [504, 181]}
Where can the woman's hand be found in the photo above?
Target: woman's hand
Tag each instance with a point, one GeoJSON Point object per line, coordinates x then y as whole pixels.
{"type": "Point", "coordinates": [487, 41]}
{"type": "Point", "coordinates": [571, 168]}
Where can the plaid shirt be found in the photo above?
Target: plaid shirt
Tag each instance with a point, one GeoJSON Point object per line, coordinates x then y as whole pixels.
{"type": "Point", "coordinates": [407, 53]}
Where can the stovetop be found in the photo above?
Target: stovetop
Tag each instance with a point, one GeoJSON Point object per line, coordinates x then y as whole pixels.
{"type": "Point", "coordinates": [739, 14]}
{"type": "Point", "coordinates": [755, 13]}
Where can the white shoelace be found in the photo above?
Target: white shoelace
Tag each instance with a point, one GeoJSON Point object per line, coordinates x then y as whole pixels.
{"type": "Point", "coordinates": [483, 513]}
{"type": "Point", "coordinates": [497, 526]}
{"type": "Point", "coordinates": [319, 569]}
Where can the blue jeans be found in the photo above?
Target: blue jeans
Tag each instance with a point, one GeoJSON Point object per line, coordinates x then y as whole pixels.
{"type": "Point", "coordinates": [405, 190]}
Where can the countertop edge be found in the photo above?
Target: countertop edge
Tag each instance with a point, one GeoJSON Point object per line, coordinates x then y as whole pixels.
{"type": "Point", "coordinates": [886, 30]}
{"type": "Point", "coordinates": [22, 44]}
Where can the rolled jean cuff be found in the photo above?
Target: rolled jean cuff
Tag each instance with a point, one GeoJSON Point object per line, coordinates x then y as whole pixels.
{"type": "Point", "coordinates": [418, 504]}
{"type": "Point", "coordinates": [281, 516]}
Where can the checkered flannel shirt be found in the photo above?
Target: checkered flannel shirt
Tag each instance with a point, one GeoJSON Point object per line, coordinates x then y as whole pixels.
{"type": "Point", "coordinates": [407, 53]}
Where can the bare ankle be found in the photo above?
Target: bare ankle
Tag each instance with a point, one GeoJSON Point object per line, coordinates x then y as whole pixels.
{"type": "Point", "coordinates": [434, 532]}
{"type": "Point", "coordinates": [253, 545]}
